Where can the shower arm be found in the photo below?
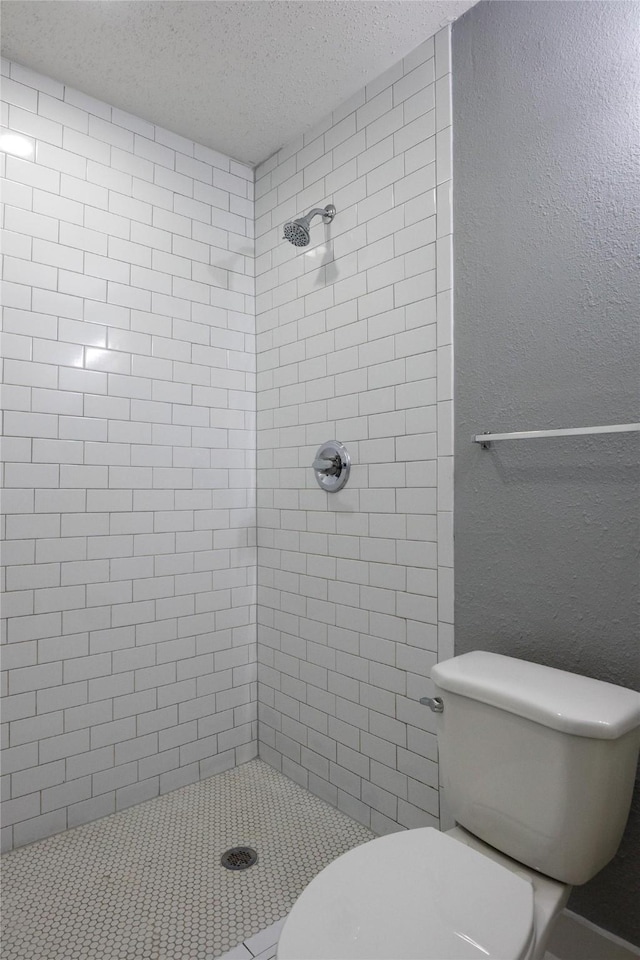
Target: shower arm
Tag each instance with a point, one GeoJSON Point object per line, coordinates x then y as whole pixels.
{"type": "Point", "coordinates": [327, 213]}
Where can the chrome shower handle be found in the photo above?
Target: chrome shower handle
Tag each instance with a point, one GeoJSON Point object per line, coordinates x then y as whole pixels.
{"type": "Point", "coordinates": [332, 466]}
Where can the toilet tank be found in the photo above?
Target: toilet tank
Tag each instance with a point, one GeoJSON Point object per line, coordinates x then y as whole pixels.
{"type": "Point", "coordinates": [537, 762]}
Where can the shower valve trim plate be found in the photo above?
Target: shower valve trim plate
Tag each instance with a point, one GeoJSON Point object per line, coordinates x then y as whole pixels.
{"type": "Point", "coordinates": [331, 466]}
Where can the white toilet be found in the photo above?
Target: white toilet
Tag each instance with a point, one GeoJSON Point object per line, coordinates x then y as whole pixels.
{"type": "Point", "coordinates": [537, 767]}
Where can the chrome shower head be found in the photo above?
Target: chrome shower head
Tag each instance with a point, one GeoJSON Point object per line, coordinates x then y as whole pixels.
{"type": "Point", "coordinates": [297, 231]}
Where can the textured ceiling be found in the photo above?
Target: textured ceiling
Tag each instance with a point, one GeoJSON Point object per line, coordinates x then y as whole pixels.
{"type": "Point", "coordinates": [243, 77]}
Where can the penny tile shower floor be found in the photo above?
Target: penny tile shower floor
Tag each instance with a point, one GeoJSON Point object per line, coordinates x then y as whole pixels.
{"type": "Point", "coordinates": [147, 883]}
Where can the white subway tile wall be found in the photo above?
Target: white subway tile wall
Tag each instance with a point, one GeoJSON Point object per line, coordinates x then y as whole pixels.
{"type": "Point", "coordinates": [354, 343]}
{"type": "Point", "coordinates": [129, 399]}
{"type": "Point", "coordinates": [129, 448]}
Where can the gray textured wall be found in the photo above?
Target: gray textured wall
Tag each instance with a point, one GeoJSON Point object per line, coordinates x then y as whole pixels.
{"type": "Point", "coordinates": [547, 292]}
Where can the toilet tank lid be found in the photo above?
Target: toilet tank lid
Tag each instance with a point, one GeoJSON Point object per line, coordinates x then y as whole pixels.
{"type": "Point", "coordinates": [554, 698]}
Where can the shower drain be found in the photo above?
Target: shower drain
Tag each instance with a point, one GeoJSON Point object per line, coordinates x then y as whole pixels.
{"type": "Point", "coordinates": [239, 858]}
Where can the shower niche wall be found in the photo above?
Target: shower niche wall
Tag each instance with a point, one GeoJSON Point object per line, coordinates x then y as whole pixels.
{"type": "Point", "coordinates": [130, 662]}
{"type": "Point", "coordinates": [354, 343]}
{"type": "Point", "coordinates": [129, 481]}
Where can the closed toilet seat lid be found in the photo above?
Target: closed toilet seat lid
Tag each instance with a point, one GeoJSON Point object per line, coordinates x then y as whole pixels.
{"type": "Point", "coordinates": [416, 895]}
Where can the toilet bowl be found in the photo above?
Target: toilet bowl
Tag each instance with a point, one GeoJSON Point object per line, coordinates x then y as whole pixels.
{"type": "Point", "coordinates": [422, 894]}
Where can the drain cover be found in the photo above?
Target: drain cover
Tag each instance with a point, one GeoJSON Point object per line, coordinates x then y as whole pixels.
{"type": "Point", "coordinates": [239, 858]}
